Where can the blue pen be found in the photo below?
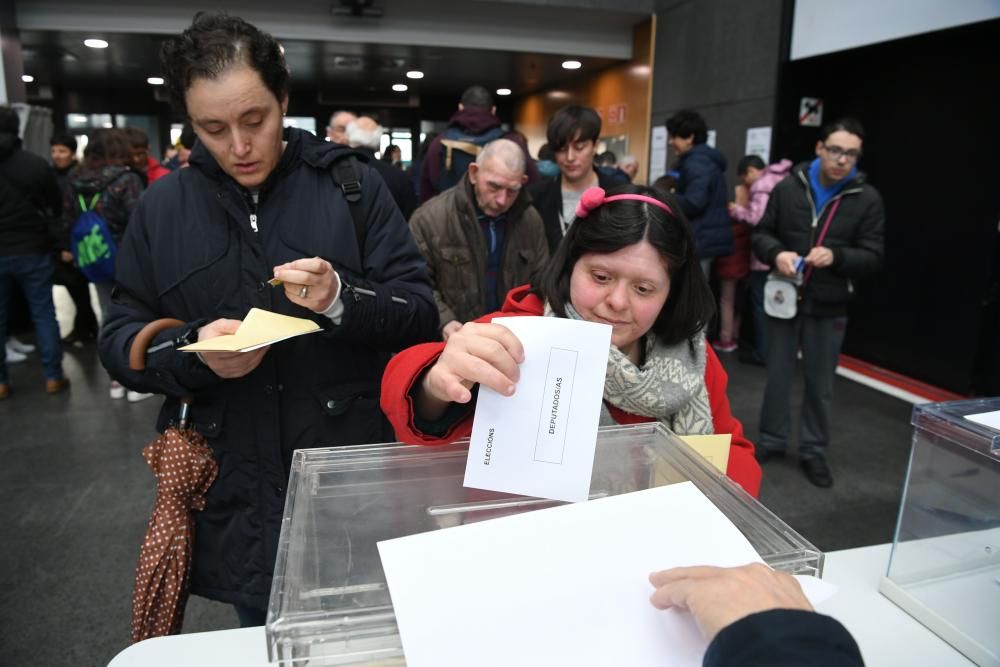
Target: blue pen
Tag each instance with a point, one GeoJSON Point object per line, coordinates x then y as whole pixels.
{"type": "Point", "coordinates": [799, 264]}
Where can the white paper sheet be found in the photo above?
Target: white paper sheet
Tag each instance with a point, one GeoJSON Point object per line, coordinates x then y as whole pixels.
{"type": "Point", "coordinates": [540, 441]}
{"type": "Point", "coordinates": [991, 419]}
{"type": "Point", "coordinates": [561, 586]}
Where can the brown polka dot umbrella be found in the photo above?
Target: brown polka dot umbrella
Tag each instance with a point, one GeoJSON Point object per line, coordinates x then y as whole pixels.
{"type": "Point", "coordinates": [182, 464]}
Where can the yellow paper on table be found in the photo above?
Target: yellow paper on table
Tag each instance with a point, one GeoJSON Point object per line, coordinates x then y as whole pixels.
{"type": "Point", "coordinates": [259, 328]}
{"type": "Point", "coordinates": [715, 448]}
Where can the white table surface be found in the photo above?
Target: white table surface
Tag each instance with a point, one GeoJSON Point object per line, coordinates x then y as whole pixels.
{"type": "Point", "coordinates": [886, 634]}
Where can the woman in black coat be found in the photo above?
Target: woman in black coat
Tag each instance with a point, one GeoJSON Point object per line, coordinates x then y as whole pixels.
{"type": "Point", "coordinates": [258, 202]}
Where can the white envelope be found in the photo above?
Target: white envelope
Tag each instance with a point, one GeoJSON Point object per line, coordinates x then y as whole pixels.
{"type": "Point", "coordinates": [541, 441]}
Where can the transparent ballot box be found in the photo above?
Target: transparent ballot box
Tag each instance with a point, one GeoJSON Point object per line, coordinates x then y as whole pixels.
{"type": "Point", "coordinates": [329, 601]}
{"type": "Point", "coordinates": [945, 564]}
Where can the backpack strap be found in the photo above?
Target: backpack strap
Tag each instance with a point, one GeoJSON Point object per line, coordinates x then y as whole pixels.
{"type": "Point", "coordinates": [347, 176]}
{"type": "Point", "coordinates": [83, 204]}
{"type": "Point", "coordinates": [464, 146]}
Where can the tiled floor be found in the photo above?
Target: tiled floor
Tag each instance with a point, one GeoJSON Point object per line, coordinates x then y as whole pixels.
{"type": "Point", "coordinates": [75, 496]}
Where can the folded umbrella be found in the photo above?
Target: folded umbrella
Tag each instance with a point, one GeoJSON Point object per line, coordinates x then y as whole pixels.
{"type": "Point", "coordinates": [182, 464]}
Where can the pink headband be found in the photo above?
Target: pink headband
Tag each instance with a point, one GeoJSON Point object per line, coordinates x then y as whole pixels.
{"type": "Point", "coordinates": [595, 197]}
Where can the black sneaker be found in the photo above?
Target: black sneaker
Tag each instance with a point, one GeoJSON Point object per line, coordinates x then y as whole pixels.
{"type": "Point", "coordinates": [79, 338]}
{"type": "Point", "coordinates": [817, 471]}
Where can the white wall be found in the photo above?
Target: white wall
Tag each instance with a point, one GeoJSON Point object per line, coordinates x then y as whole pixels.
{"type": "Point", "coordinates": [822, 26]}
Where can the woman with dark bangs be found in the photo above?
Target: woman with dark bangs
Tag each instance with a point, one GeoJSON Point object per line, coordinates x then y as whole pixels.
{"type": "Point", "coordinates": [627, 260]}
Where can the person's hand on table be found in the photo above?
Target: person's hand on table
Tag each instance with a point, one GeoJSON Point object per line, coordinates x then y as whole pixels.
{"type": "Point", "coordinates": [720, 596]}
{"type": "Point", "coordinates": [228, 365]}
{"type": "Point", "coordinates": [311, 283]}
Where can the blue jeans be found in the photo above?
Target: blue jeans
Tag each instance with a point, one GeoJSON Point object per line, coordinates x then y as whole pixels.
{"type": "Point", "coordinates": [34, 275]}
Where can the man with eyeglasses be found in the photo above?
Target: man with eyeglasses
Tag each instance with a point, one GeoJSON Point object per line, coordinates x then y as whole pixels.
{"type": "Point", "coordinates": [829, 193]}
{"type": "Point", "coordinates": [482, 237]}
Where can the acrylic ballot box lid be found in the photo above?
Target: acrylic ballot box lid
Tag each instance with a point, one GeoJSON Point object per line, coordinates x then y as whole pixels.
{"type": "Point", "coordinates": [945, 564]}
{"type": "Point", "coordinates": [329, 601]}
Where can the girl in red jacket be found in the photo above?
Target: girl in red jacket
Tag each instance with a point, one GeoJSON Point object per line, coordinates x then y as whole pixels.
{"type": "Point", "coordinates": [627, 260]}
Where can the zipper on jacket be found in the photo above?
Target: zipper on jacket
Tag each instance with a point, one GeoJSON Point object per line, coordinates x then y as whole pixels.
{"type": "Point", "coordinates": [357, 292]}
{"type": "Point", "coordinates": [253, 222]}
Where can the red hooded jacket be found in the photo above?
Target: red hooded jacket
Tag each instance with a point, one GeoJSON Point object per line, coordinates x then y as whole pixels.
{"type": "Point", "coordinates": [406, 367]}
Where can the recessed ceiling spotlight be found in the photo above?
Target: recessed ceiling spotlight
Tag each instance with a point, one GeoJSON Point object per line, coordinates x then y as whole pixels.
{"type": "Point", "coordinates": [414, 74]}
{"type": "Point", "coordinates": [572, 64]}
{"type": "Point", "coordinates": [95, 43]}
{"type": "Point", "coordinates": [503, 91]}
{"type": "Point", "coordinates": [155, 80]}
{"type": "Point", "coordinates": [400, 87]}
{"type": "Point", "coordinates": [27, 78]}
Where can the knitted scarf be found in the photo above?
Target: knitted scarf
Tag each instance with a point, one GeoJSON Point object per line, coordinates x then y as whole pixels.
{"type": "Point", "coordinates": [670, 385]}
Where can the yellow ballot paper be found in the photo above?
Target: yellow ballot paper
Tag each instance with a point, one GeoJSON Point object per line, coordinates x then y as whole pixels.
{"type": "Point", "coordinates": [259, 328]}
{"type": "Point", "coordinates": [715, 448]}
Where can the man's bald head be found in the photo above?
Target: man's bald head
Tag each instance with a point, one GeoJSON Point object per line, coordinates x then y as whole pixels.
{"type": "Point", "coordinates": [497, 176]}
{"type": "Point", "coordinates": [336, 131]}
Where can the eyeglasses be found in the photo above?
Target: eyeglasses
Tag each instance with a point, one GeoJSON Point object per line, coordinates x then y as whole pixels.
{"type": "Point", "coordinates": [836, 152]}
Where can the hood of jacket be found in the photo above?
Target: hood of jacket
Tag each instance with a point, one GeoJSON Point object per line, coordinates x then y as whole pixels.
{"type": "Point", "coordinates": [301, 145]}
{"type": "Point", "coordinates": [474, 120]}
{"type": "Point", "coordinates": [95, 181]}
{"type": "Point", "coordinates": [705, 152]}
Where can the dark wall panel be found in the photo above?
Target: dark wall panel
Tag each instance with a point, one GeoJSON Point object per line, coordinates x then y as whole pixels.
{"type": "Point", "coordinates": [720, 58]}
{"type": "Point", "coordinates": [927, 103]}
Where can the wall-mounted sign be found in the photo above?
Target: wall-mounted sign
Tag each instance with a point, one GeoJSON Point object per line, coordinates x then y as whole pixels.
{"type": "Point", "coordinates": [811, 112]}
{"type": "Point", "coordinates": [759, 142]}
{"type": "Point", "coordinates": [616, 113]}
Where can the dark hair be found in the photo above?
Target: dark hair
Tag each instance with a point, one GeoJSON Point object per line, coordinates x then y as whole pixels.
{"type": "Point", "coordinates": [188, 137]}
{"type": "Point", "coordinates": [666, 183]}
{"type": "Point", "coordinates": [616, 225]}
{"type": "Point", "coordinates": [10, 122]}
{"type": "Point", "coordinates": [477, 97]}
{"type": "Point", "coordinates": [213, 44]}
{"type": "Point", "coordinates": [607, 159]}
{"type": "Point", "coordinates": [387, 153]}
{"type": "Point", "coordinates": [67, 140]}
{"type": "Point", "coordinates": [748, 161]}
{"type": "Point", "coordinates": [688, 123]}
{"type": "Point", "coordinates": [565, 123]}
{"type": "Point", "coordinates": [846, 124]}
{"type": "Point", "coordinates": [106, 147]}
{"type": "Point", "coordinates": [136, 137]}
{"type": "Point", "coordinates": [546, 153]}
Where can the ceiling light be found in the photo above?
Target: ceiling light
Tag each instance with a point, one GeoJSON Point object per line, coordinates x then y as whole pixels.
{"type": "Point", "coordinates": [400, 87]}
{"type": "Point", "coordinates": [155, 80]}
{"type": "Point", "coordinates": [414, 74]}
{"type": "Point", "coordinates": [27, 78]}
{"type": "Point", "coordinates": [503, 91]}
{"type": "Point", "coordinates": [95, 43]}
{"type": "Point", "coordinates": [571, 64]}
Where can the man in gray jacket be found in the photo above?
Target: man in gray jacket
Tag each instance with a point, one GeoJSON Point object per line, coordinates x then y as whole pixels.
{"type": "Point", "coordinates": [482, 237]}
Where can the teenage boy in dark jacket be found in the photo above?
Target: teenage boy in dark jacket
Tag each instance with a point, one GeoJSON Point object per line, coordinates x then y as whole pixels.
{"type": "Point", "coordinates": [830, 188]}
{"type": "Point", "coordinates": [701, 189]}
{"type": "Point", "coordinates": [572, 134]}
